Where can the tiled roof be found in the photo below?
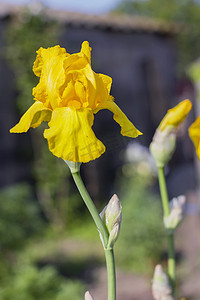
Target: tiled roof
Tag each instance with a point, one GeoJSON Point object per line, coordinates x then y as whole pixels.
{"type": "Point", "coordinates": [117, 23]}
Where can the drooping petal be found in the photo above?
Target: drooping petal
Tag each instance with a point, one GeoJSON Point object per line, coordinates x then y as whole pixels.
{"type": "Point", "coordinates": [194, 133]}
{"type": "Point", "coordinates": [71, 137]}
{"type": "Point", "coordinates": [49, 66]}
{"type": "Point", "coordinates": [176, 115]}
{"type": "Point", "coordinates": [127, 128]}
{"type": "Point", "coordinates": [33, 117]}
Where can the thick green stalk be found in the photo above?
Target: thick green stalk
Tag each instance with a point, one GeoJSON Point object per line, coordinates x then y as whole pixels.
{"type": "Point", "coordinates": [91, 207]}
{"type": "Point", "coordinates": [163, 191]}
{"type": "Point", "coordinates": [166, 211]}
{"type": "Point", "coordinates": [171, 261]}
{"type": "Point", "coordinates": [110, 263]}
{"type": "Point", "coordinates": [109, 254]}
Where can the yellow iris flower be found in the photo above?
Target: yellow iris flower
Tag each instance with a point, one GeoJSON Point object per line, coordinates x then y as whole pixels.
{"type": "Point", "coordinates": [176, 115]}
{"type": "Point", "coordinates": [67, 96]}
{"type": "Point", "coordinates": [194, 133]}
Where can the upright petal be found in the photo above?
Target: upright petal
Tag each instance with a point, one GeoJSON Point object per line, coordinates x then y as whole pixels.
{"type": "Point", "coordinates": [49, 66]}
{"type": "Point", "coordinates": [86, 50]}
{"type": "Point", "coordinates": [103, 86]}
{"type": "Point", "coordinates": [105, 81]}
{"type": "Point", "coordinates": [71, 137]}
{"type": "Point", "coordinates": [33, 117]}
{"type": "Point", "coordinates": [79, 63]}
{"type": "Point", "coordinates": [176, 115]}
{"type": "Point", "coordinates": [194, 133]}
{"type": "Point", "coordinates": [42, 57]}
{"type": "Point", "coordinates": [127, 128]}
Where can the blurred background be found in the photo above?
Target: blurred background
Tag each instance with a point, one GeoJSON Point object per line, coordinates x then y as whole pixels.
{"type": "Point", "coordinates": [49, 247]}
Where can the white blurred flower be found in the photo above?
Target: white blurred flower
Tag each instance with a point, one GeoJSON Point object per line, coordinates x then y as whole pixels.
{"type": "Point", "coordinates": [140, 157]}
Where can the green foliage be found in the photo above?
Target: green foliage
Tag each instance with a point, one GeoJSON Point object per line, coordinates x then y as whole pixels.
{"type": "Point", "coordinates": [20, 221]}
{"type": "Point", "coordinates": [142, 235]}
{"type": "Point", "coordinates": [30, 283]}
{"type": "Point", "coordinates": [184, 12]}
{"type": "Point", "coordinates": [24, 37]}
{"type": "Point", "coordinates": [19, 216]}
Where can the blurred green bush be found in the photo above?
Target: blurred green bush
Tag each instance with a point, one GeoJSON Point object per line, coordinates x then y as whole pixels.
{"type": "Point", "coordinates": [141, 240]}
{"type": "Point", "coordinates": [23, 226]}
{"type": "Point", "coordinates": [20, 217]}
{"type": "Point", "coordinates": [49, 175]}
{"type": "Point", "coordinates": [31, 283]}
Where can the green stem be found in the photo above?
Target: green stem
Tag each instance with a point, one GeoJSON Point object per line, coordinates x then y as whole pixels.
{"type": "Point", "coordinates": [110, 263]}
{"type": "Point", "coordinates": [170, 236]}
{"type": "Point", "coordinates": [91, 207]}
{"type": "Point", "coordinates": [171, 261]}
{"type": "Point", "coordinates": [163, 191]}
{"type": "Point", "coordinates": [109, 254]}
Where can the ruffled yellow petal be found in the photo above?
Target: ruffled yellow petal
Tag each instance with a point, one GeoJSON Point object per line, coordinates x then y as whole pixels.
{"type": "Point", "coordinates": [71, 137]}
{"type": "Point", "coordinates": [49, 66]}
{"type": "Point", "coordinates": [43, 55]}
{"type": "Point", "coordinates": [194, 133]}
{"type": "Point", "coordinates": [127, 128]}
{"type": "Point", "coordinates": [104, 80]}
{"type": "Point", "coordinates": [86, 50]}
{"type": "Point", "coordinates": [77, 62]}
{"type": "Point", "coordinates": [33, 117]}
{"type": "Point", "coordinates": [103, 86]}
{"type": "Point", "coordinates": [176, 115]}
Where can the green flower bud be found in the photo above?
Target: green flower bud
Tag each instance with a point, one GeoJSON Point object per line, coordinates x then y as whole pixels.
{"type": "Point", "coordinates": [74, 166]}
{"type": "Point", "coordinates": [111, 216]}
{"type": "Point", "coordinates": [113, 213]}
{"type": "Point", "coordinates": [113, 236]}
{"type": "Point", "coordinates": [88, 296]}
{"type": "Point", "coordinates": [163, 145]}
{"type": "Point", "coordinates": [161, 289]}
{"type": "Point", "coordinates": [175, 217]}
